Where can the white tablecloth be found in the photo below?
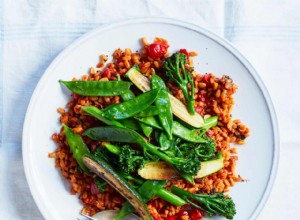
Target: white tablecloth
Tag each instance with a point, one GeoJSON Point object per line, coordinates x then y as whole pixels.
{"type": "Point", "coordinates": [33, 32]}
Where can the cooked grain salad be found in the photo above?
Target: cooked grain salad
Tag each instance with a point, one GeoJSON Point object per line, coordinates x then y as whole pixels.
{"type": "Point", "coordinates": [150, 126]}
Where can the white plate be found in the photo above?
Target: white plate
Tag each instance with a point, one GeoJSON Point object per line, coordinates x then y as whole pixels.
{"type": "Point", "coordinates": [258, 158]}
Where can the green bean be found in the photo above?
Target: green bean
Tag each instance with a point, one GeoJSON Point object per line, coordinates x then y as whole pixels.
{"type": "Point", "coordinates": [131, 107]}
{"type": "Point", "coordinates": [97, 88]}
{"type": "Point", "coordinates": [77, 146]}
{"type": "Point", "coordinates": [163, 102]}
{"type": "Point", "coordinates": [177, 129]}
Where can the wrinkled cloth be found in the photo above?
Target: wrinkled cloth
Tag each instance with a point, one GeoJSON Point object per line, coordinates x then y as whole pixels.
{"type": "Point", "coordinates": [34, 32]}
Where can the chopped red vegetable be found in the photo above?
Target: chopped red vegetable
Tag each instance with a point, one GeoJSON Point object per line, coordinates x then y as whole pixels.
{"type": "Point", "coordinates": [184, 51]}
{"type": "Point", "coordinates": [94, 188]}
{"type": "Point", "coordinates": [196, 214]}
{"type": "Point", "coordinates": [171, 218]}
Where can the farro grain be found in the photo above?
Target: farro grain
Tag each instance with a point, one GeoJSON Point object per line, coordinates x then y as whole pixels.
{"type": "Point", "coordinates": [219, 90]}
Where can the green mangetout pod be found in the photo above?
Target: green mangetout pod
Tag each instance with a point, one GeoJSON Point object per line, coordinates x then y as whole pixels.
{"type": "Point", "coordinates": [97, 88]}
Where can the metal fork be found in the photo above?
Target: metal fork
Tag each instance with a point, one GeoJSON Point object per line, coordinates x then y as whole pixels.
{"type": "Point", "coordinates": [89, 217]}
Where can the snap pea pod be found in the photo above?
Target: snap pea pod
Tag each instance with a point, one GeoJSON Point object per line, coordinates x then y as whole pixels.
{"type": "Point", "coordinates": [164, 142]}
{"type": "Point", "coordinates": [127, 95]}
{"type": "Point", "coordinates": [177, 129]}
{"type": "Point", "coordinates": [97, 113]}
{"type": "Point", "coordinates": [97, 88]}
{"type": "Point", "coordinates": [163, 102]}
{"type": "Point", "coordinates": [77, 146]}
{"type": "Point", "coordinates": [130, 123]}
{"type": "Point", "coordinates": [150, 111]}
{"type": "Point", "coordinates": [131, 107]}
{"type": "Point", "coordinates": [147, 130]}
{"type": "Point", "coordinates": [209, 123]}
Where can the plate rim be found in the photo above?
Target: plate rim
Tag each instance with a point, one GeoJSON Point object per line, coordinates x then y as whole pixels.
{"type": "Point", "coordinates": [159, 20]}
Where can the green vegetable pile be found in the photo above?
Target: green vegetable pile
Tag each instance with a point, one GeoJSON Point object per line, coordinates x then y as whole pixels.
{"type": "Point", "coordinates": [142, 129]}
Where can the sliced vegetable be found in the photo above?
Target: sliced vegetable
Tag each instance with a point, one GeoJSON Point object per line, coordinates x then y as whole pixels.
{"type": "Point", "coordinates": [131, 107]}
{"type": "Point", "coordinates": [100, 167]}
{"type": "Point", "coordinates": [97, 88]}
{"type": "Point", "coordinates": [77, 146]}
{"type": "Point", "coordinates": [178, 108]}
{"type": "Point", "coordinates": [159, 170]}
{"type": "Point", "coordinates": [163, 102]}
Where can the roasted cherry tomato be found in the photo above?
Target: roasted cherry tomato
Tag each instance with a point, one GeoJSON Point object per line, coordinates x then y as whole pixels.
{"type": "Point", "coordinates": [157, 50]}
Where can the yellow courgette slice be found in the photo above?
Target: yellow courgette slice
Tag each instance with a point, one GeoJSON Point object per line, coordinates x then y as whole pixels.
{"type": "Point", "coordinates": [160, 170]}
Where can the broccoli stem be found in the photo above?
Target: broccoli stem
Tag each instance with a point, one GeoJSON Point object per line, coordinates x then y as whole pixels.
{"type": "Point", "coordinates": [170, 197]}
{"type": "Point", "coordinates": [215, 204]}
{"type": "Point", "coordinates": [175, 70]}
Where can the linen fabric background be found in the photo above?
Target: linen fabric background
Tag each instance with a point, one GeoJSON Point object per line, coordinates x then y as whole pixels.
{"type": "Point", "coordinates": [34, 32]}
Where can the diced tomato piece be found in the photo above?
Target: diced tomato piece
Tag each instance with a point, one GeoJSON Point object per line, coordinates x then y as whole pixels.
{"type": "Point", "coordinates": [90, 201]}
{"type": "Point", "coordinates": [184, 51]}
{"type": "Point", "coordinates": [182, 213]}
{"type": "Point", "coordinates": [199, 109]}
{"type": "Point", "coordinates": [75, 96]}
{"type": "Point", "coordinates": [156, 217]}
{"type": "Point", "coordinates": [171, 218]}
{"type": "Point", "coordinates": [206, 78]}
{"type": "Point", "coordinates": [202, 97]}
{"type": "Point", "coordinates": [209, 133]}
{"type": "Point", "coordinates": [196, 214]}
{"type": "Point", "coordinates": [108, 72]}
{"type": "Point", "coordinates": [94, 188]}
{"type": "Point", "coordinates": [157, 50]}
